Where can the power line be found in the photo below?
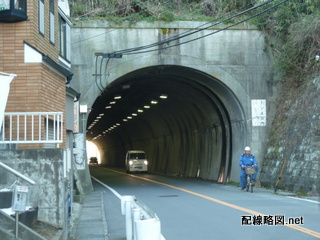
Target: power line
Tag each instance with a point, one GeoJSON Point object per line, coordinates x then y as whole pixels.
{"type": "Point", "coordinates": [127, 51]}
{"type": "Point", "coordinates": [191, 30]}
{"type": "Point", "coordinates": [237, 23]}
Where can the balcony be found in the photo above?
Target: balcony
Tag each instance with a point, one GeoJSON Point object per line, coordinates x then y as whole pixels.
{"type": "Point", "coordinates": [31, 128]}
{"type": "Point", "coordinates": [12, 11]}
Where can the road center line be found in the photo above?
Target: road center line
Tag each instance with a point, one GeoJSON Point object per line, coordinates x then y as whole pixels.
{"type": "Point", "coordinates": [296, 227]}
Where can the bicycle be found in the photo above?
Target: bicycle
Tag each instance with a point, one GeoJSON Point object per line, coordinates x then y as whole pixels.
{"type": "Point", "coordinates": [250, 170]}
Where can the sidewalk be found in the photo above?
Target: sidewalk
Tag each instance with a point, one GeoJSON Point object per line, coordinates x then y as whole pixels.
{"type": "Point", "coordinates": [92, 224]}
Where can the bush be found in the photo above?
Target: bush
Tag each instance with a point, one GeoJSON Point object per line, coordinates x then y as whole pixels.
{"type": "Point", "coordinates": [297, 60]}
{"type": "Point", "coordinates": [295, 25]}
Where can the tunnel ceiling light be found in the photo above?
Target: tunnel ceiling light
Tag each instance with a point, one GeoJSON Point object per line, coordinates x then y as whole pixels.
{"type": "Point", "coordinates": [126, 86]}
{"type": "Point", "coordinates": [117, 97]}
{"type": "Point", "coordinates": [125, 120]}
{"type": "Point", "coordinates": [113, 102]}
{"type": "Point", "coordinates": [98, 117]}
{"type": "Point", "coordinates": [129, 117]}
{"type": "Point", "coordinates": [107, 107]}
{"type": "Point", "coordinates": [146, 106]}
{"type": "Point", "coordinates": [140, 110]}
{"type": "Point", "coordinates": [118, 124]}
{"type": "Point", "coordinates": [101, 114]}
{"type": "Point", "coordinates": [163, 96]}
{"type": "Point", "coordinates": [154, 102]}
{"type": "Point", "coordinates": [134, 114]}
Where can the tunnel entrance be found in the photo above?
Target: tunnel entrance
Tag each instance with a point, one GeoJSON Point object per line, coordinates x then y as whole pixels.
{"type": "Point", "coordinates": [185, 120]}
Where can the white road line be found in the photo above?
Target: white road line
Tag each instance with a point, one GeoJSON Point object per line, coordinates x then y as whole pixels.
{"type": "Point", "coordinates": [307, 200]}
{"type": "Point", "coordinates": [105, 185]}
{"type": "Point", "coordinates": [115, 193]}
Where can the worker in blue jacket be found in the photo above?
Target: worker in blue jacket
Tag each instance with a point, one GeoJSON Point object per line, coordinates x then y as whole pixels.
{"type": "Point", "coordinates": [247, 159]}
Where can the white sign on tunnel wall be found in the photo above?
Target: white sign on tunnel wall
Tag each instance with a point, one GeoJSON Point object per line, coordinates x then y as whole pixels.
{"type": "Point", "coordinates": [259, 112]}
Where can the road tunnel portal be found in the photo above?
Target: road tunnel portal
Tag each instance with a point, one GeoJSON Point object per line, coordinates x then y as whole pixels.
{"type": "Point", "coordinates": [188, 122]}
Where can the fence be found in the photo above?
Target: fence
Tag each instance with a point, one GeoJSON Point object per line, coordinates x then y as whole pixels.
{"type": "Point", "coordinates": [32, 127]}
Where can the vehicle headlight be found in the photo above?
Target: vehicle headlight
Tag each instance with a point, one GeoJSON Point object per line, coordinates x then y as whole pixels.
{"type": "Point", "coordinates": [145, 162]}
{"type": "Point", "coordinates": [130, 162]}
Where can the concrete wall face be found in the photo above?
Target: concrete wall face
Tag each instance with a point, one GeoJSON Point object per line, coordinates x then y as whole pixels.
{"type": "Point", "coordinates": [45, 167]}
{"type": "Point", "coordinates": [236, 58]}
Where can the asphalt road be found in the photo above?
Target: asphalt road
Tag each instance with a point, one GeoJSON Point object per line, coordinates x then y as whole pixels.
{"type": "Point", "coordinates": [197, 210]}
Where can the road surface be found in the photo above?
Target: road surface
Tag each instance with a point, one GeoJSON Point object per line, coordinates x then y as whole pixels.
{"type": "Point", "coordinates": [197, 210]}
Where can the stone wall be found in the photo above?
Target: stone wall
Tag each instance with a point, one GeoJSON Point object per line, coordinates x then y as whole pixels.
{"type": "Point", "coordinates": [295, 135]}
{"type": "Point", "coordinates": [45, 167]}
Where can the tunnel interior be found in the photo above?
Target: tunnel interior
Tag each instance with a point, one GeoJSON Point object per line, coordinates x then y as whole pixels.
{"type": "Point", "coordinates": [181, 117]}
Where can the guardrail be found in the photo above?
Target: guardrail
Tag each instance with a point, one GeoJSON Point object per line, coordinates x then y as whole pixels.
{"type": "Point", "coordinates": [32, 127]}
{"type": "Point", "coordinates": [141, 222]}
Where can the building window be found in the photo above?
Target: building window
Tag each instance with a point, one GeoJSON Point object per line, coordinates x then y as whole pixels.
{"type": "Point", "coordinates": [52, 21]}
{"type": "Point", "coordinates": [64, 39]}
{"type": "Point", "coordinates": [20, 4]}
{"type": "Point", "coordinates": [4, 5]}
{"type": "Point", "coordinates": [41, 16]}
{"type": "Point", "coordinates": [13, 10]}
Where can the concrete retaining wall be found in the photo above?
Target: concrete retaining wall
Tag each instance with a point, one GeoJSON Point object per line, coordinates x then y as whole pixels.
{"type": "Point", "coordinates": [45, 167]}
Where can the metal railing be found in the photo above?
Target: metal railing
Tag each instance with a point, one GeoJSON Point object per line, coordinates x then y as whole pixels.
{"type": "Point", "coordinates": [32, 127]}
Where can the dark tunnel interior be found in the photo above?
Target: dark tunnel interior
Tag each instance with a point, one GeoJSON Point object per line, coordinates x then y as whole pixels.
{"type": "Point", "coordinates": [179, 116]}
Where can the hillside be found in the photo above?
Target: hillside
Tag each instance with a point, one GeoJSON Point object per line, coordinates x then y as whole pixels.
{"type": "Point", "coordinates": [294, 30]}
{"type": "Point", "coordinates": [155, 10]}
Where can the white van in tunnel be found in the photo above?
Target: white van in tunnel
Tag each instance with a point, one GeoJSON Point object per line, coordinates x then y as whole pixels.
{"type": "Point", "coordinates": [136, 161]}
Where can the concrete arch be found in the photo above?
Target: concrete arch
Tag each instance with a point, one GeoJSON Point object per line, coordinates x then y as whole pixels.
{"type": "Point", "coordinates": [190, 136]}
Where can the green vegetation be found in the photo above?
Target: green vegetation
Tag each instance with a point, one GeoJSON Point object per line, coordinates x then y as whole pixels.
{"type": "Point", "coordinates": [295, 29]}
{"type": "Point", "coordinates": [233, 183]}
{"type": "Point", "coordinates": [301, 193]}
{"type": "Point", "coordinates": [155, 10]}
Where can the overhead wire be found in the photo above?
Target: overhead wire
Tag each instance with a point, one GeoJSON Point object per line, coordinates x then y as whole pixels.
{"type": "Point", "coordinates": [190, 30]}
{"type": "Point", "coordinates": [215, 32]}
{"type": "Point", "coordinates": [127, 51]}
